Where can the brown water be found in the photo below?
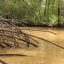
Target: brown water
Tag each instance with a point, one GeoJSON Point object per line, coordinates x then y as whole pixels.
{"type": "Point", "coordinates": [46, 53]}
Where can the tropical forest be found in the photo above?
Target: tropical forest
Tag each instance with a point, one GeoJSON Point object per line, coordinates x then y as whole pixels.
{"type": "Point", "coordinates": [31, 31]}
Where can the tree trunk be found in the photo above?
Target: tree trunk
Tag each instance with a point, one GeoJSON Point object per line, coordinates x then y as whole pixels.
{"type": "Point", "coordinates": [58, 13]}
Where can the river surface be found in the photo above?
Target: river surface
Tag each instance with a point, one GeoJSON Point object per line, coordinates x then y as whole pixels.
{"type": "Point", "coordinates": [46, 53]}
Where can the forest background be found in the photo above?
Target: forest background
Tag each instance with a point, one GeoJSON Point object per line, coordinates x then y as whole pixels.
{"type": "Point", "coordinates": [34, 12]}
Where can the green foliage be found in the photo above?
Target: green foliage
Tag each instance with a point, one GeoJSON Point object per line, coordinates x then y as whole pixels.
{"type": "Point", "coordinates": [33, 12]}
{"type": "Point", "coordinates": [53, 20]}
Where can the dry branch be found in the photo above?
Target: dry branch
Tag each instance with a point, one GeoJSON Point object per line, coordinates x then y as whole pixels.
{"type": "Point", "coordinates": [10, 55]}
{"type": "Point", "coordinates": [46, 41]}
{"type": "Point", "coordinates": [10, 30]}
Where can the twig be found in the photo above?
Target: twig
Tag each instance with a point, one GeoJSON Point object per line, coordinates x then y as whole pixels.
{"type": "Point", "coordinates": [9, 36]}
{"type": "Point", "coordinates": [46, 41]}
{"type": "Point", "coordinates": [7, 55]}
{"type": "Point", "coordinates": [34, 40]}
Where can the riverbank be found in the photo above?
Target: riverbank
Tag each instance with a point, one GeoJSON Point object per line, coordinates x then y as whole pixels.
{"type": "Point", "coordinates": [46, 53]}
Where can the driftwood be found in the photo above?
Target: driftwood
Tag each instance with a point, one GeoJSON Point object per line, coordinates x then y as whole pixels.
{"type": "Point", "coordinates": [10, 35]}
{"type": "Point", "coordinates": [13, 37]}
{"type": "Point", "coordinates": [10, 55]}
{"type": "Point", "coordinates": [9, 32]}
{"type": "Point", "coordinates": [8, 29]}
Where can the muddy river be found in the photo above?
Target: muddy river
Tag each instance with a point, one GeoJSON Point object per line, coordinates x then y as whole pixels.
{"type": "Point", "coordinates": [46, 53]}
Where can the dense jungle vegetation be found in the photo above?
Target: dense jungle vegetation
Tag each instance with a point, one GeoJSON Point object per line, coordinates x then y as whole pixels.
{"type": "Point", "coordinates": [34, 12]}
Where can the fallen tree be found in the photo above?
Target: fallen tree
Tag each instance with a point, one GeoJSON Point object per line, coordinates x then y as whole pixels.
{"type": "Point", "coordinates": [10, 34]}
{"type": "Point", "coordinates": [13, 37]}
